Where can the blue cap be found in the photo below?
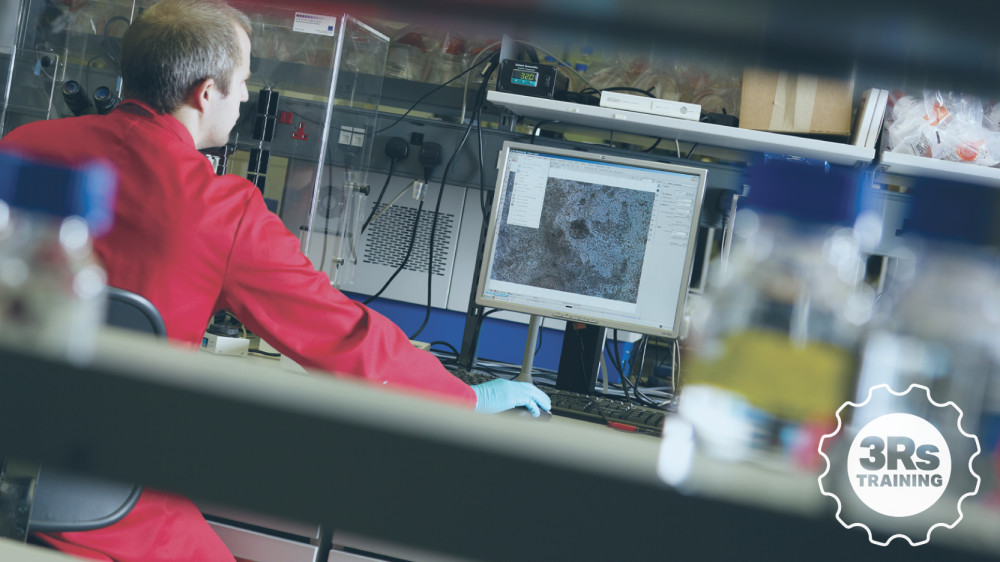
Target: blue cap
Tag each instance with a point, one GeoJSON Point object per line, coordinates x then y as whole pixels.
{"type": "Point", "coordinates": [807, 191]}
{"type": "Point", "coordinates": [954, 212]}
{"type": "Point", "coordinates": [86, 190]}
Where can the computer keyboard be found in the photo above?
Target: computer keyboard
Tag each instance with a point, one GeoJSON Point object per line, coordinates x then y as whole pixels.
{"type": "Point", "coordinates": [613, 412]}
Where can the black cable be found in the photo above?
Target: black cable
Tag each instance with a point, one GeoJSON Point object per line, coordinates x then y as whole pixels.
{"type": "Point", "coordinates": [616, 355]}
{"type": "Point", "coordinates": [538, 128]}
{"type": "Point", "coordinates": [659, 360]}
{"type": "Point", "coordinates": [112, 19]}
{"type": "Point", "coordinates": [483, 199]}
{"type": "Point", "coordinates": [639, 395]}
{"type": "Point", "coordinates": [480, 316]}
{"type": "Point", "coordinates": [86, 74]}
{"type": "Point", "coordinates": [326, 227]}
{"type": "Point", "coordinates": [480, 101]}
{"type": "Point", "coordinates": [409, 250]}
{"type": "Point", "coordinates": [381, 194]}
{"type": "Point", "coordinates": [495, 372]}
{"type": "Point", "coordinates": [446, 344]}
{"type": "Point", "coordinates": [112, 47]}
{"type": "Point", "coordinates": [421, 98]}
{"type": "Point", "coordinates": [541, 332]}
{"type": "Point", "coordinates": [620, 365]}
{"type": "Point", "coordinates": [642, 347]}
{"type": "Point", "coordinates": [655, 144]}
{"type": "Point", "coordinates": [648, 93]}
{"type": "Point", "coordinates": [627, 382]}
{"type": "Point", "coordinates": [484, 203]}
{"type": "Point", "coordinates": [397, 149]}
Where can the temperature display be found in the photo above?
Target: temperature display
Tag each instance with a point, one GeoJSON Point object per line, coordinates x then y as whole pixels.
{"type": "Point", "coordinates": [524, 77]}
{"type": "Point", "coordinates": [528, 79]}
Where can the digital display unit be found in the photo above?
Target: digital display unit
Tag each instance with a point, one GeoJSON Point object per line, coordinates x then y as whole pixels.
{"type": "Point", "coordinates": [524, 78]}
{"type": "Point", "coordinates": [529, 79]}
{"type": "Point", "coordinates": [592, 238]}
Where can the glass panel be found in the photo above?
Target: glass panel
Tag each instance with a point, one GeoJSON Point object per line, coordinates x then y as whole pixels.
{"type": "Point", "coordinates": [31, 88]}
{"type": "Point", "coordinates": [66, 46]}
{"type": "Point", "coordinates": [356, 96]}
{"type": "Point", "coordinates": [305, 137]}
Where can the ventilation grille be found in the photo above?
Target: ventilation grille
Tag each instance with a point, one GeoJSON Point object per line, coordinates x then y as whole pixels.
{"type": "Point", "coordinates": [389, 237]}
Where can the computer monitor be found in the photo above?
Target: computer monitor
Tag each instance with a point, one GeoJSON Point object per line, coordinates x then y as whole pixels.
{"type": "Point", "coordinates": [591, 238]}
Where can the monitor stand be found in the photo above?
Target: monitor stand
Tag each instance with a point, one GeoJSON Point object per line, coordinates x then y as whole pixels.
{"type": "Point", "coordinates": [529, 349]}
{"type": "Point", "coordinates": [580, 359]}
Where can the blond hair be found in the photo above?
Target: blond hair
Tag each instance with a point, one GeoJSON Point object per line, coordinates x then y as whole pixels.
{"type": "Point", "coordinates": [175, 45]}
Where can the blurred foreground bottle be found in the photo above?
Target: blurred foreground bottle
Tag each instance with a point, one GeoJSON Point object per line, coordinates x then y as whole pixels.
{"type": "Point", "coordinates": [772, 353]}
{"type": "Point", "coordinates": [938, 321]}
{"type": "Point", "coordinates": [52, 289]}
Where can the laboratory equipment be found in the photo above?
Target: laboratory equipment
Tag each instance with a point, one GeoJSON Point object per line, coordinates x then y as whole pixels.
{"type": "Point", "coordinates": [595, 240]}
{"type": "Point", "coordinates": [52, 287]}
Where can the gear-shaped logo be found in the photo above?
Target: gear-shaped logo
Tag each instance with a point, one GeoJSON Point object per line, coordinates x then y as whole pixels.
{"type": "Point", "coordinates": [901, 467]}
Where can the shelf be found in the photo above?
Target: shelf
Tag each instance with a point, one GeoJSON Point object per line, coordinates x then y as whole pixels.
{"type": "Point", "coordinates": [683, 130]}
{"type": "Point", "coordinates": [908, 165]}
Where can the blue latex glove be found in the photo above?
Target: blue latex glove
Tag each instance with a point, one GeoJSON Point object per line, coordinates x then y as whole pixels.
{"type": "Point", "coordinates": [498, 395]}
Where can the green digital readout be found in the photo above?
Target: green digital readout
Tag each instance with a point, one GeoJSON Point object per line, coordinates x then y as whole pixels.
{"type": "Point", "coordinates": [524, 77]}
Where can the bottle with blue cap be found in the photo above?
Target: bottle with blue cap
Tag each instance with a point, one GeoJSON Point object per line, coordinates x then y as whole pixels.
{"type": "Point", "coordinates": [772, 346]}
{"type": "Point", "coordinates": [52, 287]}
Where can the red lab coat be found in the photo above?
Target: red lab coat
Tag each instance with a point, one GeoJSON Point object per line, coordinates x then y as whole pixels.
{"type": "Point", "coordinates": [194, 243]}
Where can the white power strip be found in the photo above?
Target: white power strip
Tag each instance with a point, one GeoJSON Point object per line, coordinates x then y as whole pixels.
{"type": "Point", "coordinates": [222, 345]}
{"type": "Point", "coordinates": [653, 106]}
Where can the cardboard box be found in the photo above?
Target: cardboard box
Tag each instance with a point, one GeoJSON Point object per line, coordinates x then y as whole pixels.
{"type": "Point", "coordinates": [788, 102]}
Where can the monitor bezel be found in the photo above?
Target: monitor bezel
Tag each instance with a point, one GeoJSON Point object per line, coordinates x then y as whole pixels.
{"type": "Point", "coordinates": [673, 331]}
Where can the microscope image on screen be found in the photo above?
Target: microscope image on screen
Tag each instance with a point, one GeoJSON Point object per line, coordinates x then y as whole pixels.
{"type": "Point", "coordinates": [593, 238]}
{"type": "Point", "coordinates": [590, 239]}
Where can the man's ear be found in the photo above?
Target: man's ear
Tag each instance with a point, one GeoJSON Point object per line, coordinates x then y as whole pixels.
{"type": "Point", "coordinates": [202, 93]}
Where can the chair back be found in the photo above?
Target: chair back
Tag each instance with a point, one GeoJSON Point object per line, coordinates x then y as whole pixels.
{"type": "Point", "coordinates": [133, 312]}
{"type": "Point", "coordinates": [64, 501]}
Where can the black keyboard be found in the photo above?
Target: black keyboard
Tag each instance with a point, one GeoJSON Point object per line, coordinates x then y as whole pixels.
{"type": "Point", "coordinates": [613, 412]}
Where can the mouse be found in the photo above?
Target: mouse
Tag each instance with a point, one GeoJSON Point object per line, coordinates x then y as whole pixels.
{"type": "Point", "coordinates": [524, 413]}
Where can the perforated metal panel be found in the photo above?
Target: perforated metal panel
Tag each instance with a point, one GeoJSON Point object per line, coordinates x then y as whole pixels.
{"type": "Point", "coordinates": [388, 239]}
{"type": "Point", "coordinates": [383, 246]}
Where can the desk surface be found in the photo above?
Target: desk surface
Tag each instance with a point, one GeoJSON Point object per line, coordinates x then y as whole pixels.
{"type": "Point", "coordinates": [20, 552]}
{"type": "Point", "coordinates": [403, 469]}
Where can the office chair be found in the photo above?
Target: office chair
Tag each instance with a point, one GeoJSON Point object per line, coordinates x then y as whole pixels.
{"type": "Point", "coordinates": [64, 501]}
{"type": "Point", "coordinates": [133, 312]}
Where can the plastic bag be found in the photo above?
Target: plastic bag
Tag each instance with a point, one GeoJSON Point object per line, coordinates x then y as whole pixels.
{"type": "Point", "coordinates": [945, 126]}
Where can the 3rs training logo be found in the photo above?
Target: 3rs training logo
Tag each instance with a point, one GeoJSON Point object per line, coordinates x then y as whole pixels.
{"type": "Point", "coordinates": [902, 466]}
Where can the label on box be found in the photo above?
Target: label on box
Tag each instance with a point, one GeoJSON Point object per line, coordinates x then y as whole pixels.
{"type": "Point", "coordinates": [654, 106]}
{"type": "Point", "coordinates": [625, 101]}
{"type": "Point", "coordinates": [315, 24]}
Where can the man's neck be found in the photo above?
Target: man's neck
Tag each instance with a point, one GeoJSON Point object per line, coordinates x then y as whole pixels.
{"type": "Point", "coordinates": [191, 119]}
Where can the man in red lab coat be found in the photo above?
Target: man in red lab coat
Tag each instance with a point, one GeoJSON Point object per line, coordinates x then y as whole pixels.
{"type": "Point", "coordinates": [194, 243]}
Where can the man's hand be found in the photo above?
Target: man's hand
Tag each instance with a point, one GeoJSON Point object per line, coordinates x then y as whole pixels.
{"type": "Point", "coordinates": [498, 395]}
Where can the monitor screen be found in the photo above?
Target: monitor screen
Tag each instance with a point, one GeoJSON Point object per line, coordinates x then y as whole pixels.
{"type": "Point", "coordinates": [593, 238]}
